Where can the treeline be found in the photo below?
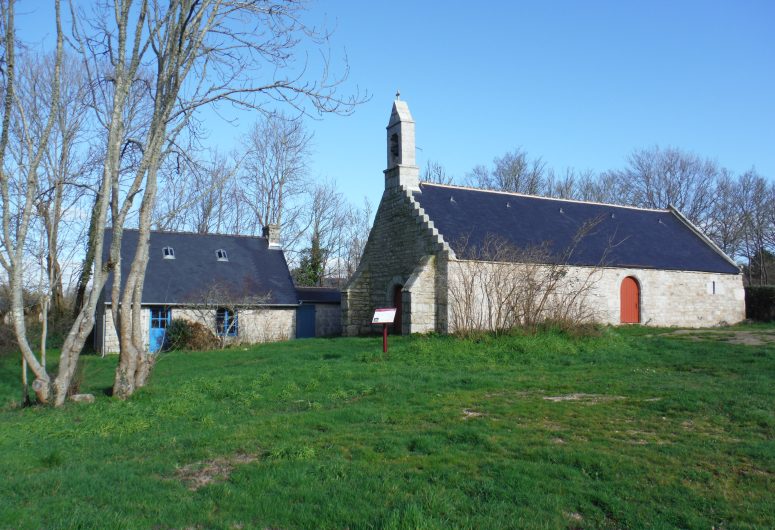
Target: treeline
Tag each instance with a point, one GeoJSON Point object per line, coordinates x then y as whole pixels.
{"type": "Point", "coordinates": [737, 211]}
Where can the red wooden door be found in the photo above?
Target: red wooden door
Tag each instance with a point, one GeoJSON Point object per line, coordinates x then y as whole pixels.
{"type": "Point", "coordinates": [629, 297]}
{"type": "Point", "coordinates": [397, 304]}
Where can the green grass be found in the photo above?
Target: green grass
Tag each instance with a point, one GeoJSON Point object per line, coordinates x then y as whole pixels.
{"type": "Point", "coordinates": [646, 431]}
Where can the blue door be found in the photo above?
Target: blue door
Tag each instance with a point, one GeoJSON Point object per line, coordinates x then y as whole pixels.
{"type": "Point", "coordinates": [305, 321]}
{"type": "Point", "coordinates": [160, 319]}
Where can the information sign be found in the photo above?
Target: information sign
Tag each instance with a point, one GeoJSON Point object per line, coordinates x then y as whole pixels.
{"type": "Point", "coordinates": [384, 316]}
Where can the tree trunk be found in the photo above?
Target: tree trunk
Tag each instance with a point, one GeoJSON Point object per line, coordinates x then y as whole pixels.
{"type": "Point", "coordinates": [124, 384]}
{"type": "Point", "coordinates": [135, 363]}
{"type": "Point", "coordinates": [25, 385]}
{"type": "Point", "coordinates": [88, 260]}
{"type": "Point", "coordinates": [42, 383]}
{"type": "Point", "coordinates": [146, 362]}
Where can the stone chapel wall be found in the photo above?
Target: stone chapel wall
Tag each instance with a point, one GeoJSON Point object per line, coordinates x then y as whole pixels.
{"type": "Point", "coordinates": [400, 239]}
{"type": "Point", "coordinates": [667, 298]}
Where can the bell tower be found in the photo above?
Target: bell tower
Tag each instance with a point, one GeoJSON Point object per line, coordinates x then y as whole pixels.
{"type": "Point", "coordinates": [402, 170]}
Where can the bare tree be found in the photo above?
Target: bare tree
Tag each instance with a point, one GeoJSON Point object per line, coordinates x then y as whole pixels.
{"type": "Point", "coordinates": [513, 172]}
{"type": "Point", "coordinates": [725, 221]}
{"type": "Point", "coordinates": [656, 178]}
{"type": "Point", "coordinates": [356, 235]}
{"type": "Point", "coordinates": [65, 163]}
{"type": "Point", "coordinates": [20, 183]}
{"type": "Point", "coordinates": [232, 39]}
{"type": "Point", "coordinates": [326, 216]}
{"type": "Point", "coordinates": [435, 173]}
{"type": "Point", "coordinates": [572, 184]}
{"type": "Point", "coordinates": [274, 171]}
{"type": "Point", "coordinates": [754, 199]}
{"type": "Point", "coordinates": [196, 195]}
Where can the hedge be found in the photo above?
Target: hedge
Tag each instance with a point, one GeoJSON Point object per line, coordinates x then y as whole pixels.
{"type": "Point", "coordinates": [760, 303]}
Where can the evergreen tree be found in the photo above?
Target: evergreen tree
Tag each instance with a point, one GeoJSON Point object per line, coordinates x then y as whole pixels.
{"type": "Point", "coordinates": [310, 271]}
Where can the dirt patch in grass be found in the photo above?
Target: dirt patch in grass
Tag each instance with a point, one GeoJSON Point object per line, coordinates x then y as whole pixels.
{"type": "Point", "coordinates": [589, 399]}
{"type": "Point", "coordinates": [468, 413]}
{"type": "Point", "coordinates": [575, 519]}
{"type": "Point", "coordinates": [200, 474]}
{"type": "Point", "coordinates": [747, 338]}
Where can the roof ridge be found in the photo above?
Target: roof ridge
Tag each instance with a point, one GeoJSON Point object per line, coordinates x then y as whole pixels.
{"type": "Point", "coordinates": [189, 233]}
{"type": "Point", "coordinates": [515, 194]}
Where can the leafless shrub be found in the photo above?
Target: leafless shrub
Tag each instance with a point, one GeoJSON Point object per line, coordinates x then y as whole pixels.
{"type": "Point", "coordinates": [219, 297]}
{"type": "Point", "coordinates": [498, 287]}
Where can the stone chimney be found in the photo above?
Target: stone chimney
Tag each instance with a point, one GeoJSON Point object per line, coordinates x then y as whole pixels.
{"type": "Point", "coordinates": [402, 170]}
{"type": "Point", "coordinates": [272, 234]}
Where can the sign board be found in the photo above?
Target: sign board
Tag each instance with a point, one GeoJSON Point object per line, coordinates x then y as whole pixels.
{"type": "Point", "coordinates": [384, 316]}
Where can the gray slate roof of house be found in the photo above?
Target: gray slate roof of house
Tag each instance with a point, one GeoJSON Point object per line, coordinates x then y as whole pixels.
{"type": "Point", "coordinates": [253, 275]}
{"type": "Point", "coordinates": [621, 236]}
{"type": "Point", "coordinates": [319, 295]}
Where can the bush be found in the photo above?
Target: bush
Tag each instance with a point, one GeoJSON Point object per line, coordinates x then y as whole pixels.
{"type": "Point", "coordinates": [8, 344]}
{"type": "Point", "coordinates": [202, 338]}
{"type": "Point", "coordinates": [760, 303]}
{"type": "Point", "coordinates": [178, 334]}
{"type": "Point", "coordinates": [185, 335]}
{"type": "Point", "coordinates": [58, 328]}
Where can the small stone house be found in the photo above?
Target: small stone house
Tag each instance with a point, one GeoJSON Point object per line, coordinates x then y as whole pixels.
{"type": "Point", "coordinates": [239, 287]}
{"type": "Point", "coordinates": [635, 265]}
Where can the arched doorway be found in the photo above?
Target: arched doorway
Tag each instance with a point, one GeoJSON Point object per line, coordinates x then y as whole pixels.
{"type": "Point", "coordinates": [397, 303]}
{"type": "Point", "coordinates": [629, 299]}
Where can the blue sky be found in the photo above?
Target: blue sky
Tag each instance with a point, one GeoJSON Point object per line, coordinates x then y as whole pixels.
{"type": "Point", "coordinates": [580, 84]}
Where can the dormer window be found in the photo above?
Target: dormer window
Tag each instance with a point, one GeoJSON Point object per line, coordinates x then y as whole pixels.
{"type": "Point", "coordinates": [221, 255]}
{"type": "Point", "coordinates": [168, 253]}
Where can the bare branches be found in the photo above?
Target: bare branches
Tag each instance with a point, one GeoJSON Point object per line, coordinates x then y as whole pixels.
{"type": "Point", "coordinates": [23, 175]}
{"type": "Point", "coordinates": [435, 173]}
{"type": "Point", "coordinates": [274, 170]}
{"type": "Point", "coordinates": [513, 172]}
{"type": "Point", "coordinates": [498, 287]}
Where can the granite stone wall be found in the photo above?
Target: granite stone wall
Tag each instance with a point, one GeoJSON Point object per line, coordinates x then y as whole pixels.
{"type": "Point", "coordinates": [108, 330]}
{"type": "Point", "coordinates": [255, 325]}
{"type": "Point", "coordinates": [667, 298]}
{"type": "Point", "coordinates": [402, 249]}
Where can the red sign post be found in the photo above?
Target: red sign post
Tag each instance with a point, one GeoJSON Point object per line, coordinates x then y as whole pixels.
{"type": "Point", "coordinates": [384, 316]}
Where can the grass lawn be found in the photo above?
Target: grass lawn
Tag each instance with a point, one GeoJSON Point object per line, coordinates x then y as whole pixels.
{"type": "Point", "coordinates": [635, 428]}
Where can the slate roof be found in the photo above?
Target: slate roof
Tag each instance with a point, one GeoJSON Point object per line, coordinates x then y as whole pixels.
{"type": "Point", "coordinates": [319, 295]}
{"type": "Point", "coordinates": [621, 236]}
{"type": "Point", "coordinates": [254, 273]}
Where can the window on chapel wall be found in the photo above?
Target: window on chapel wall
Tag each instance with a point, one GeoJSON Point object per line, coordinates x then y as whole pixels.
{"type": "Point", "coordinates": [226, 322]}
